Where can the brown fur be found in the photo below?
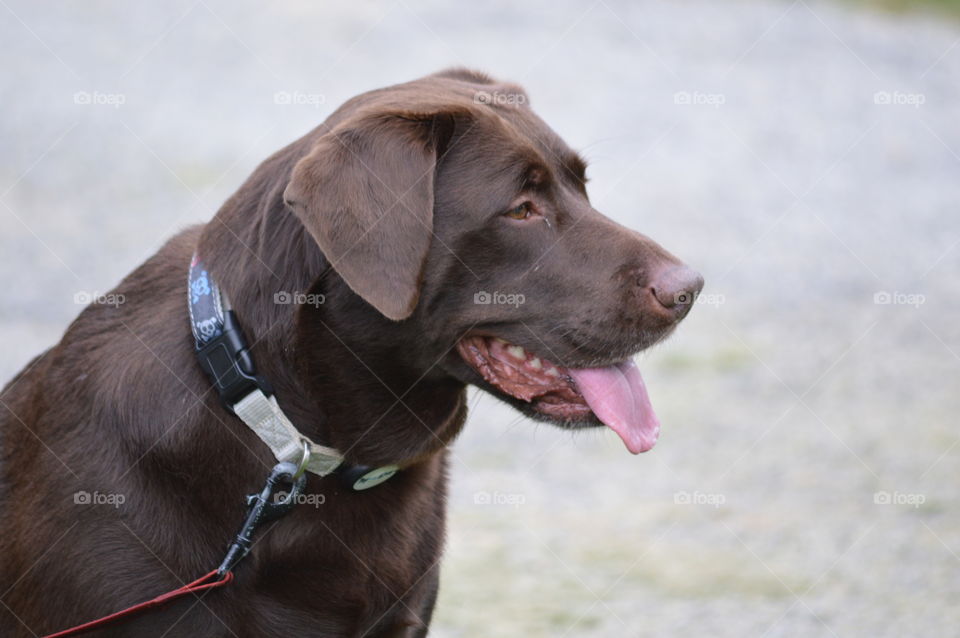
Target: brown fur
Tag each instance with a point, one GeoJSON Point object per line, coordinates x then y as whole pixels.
{"type": "Point", "coordinates": [120, 405]}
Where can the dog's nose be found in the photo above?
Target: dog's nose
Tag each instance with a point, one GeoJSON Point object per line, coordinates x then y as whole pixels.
{"type": "Point", "coordinates": [675, 289]}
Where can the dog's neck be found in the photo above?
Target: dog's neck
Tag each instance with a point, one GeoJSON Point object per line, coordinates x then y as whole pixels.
{"type": "Point", "coordinates": [342, 372]}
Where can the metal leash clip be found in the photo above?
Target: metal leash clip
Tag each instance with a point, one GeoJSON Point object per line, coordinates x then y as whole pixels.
{"type": "Point", "coordinates": [264, 507]}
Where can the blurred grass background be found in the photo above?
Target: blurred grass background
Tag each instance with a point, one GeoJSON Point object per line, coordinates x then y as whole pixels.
{"type": "Point", "coordinates": [946, 7]}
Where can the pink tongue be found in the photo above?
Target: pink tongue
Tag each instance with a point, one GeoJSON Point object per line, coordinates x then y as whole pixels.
{"type": "Point", "coordinates": [618, 397]}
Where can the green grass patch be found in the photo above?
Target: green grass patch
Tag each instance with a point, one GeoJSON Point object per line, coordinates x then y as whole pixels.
{"type": "Point", "coordinates": [949, 8]}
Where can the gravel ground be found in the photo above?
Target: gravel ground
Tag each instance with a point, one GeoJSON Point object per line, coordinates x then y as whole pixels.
{"type": "Point", "coordinates": [803, 156]}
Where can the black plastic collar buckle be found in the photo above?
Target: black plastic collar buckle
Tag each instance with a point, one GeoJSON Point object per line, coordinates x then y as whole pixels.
{"type": "Point", "coordinates": [227, 361]}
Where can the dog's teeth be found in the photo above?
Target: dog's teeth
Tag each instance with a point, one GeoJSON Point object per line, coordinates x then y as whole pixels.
{"type": "Point", "coordinates": [517, 352]}
{"type": "Point", "coordinates": [553, 372]}
{"type": "Point", "coordinates": [535, 363]}
{"type": "Point", "coordinates": [500, 341]}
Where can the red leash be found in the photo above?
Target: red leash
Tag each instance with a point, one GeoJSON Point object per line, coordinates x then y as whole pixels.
{"type": "Point", "coordinates": [201, 584]}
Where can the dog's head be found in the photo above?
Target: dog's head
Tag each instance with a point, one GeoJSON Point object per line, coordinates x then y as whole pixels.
{"type": "Point", "coordinates": [451, 209]}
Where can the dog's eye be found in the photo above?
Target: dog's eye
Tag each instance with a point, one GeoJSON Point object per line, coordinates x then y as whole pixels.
{"type": "Point", "coordinates": [523, 211]}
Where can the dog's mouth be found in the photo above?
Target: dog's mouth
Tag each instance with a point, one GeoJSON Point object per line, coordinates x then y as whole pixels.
{"type": "Point", "coordinates": [615, 395]}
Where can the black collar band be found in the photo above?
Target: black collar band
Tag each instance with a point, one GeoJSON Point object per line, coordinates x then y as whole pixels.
{"type": "Point", "coordinates": [223, 354]}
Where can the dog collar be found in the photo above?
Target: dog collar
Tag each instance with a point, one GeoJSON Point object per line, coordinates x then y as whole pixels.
{"type": "Point", "coordinates": [223, 354]}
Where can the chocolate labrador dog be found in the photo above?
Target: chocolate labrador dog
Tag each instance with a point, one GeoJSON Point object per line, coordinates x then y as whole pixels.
{"type": "Point", "coordinates": [427, 236]}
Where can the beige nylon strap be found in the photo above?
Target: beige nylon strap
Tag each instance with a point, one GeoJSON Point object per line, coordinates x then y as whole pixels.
{"type": "Point", "coordinates": [264, 416]}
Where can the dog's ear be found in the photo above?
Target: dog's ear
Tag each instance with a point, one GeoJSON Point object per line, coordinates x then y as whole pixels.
{"type": "Point", "coordinates": [365, 194]}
